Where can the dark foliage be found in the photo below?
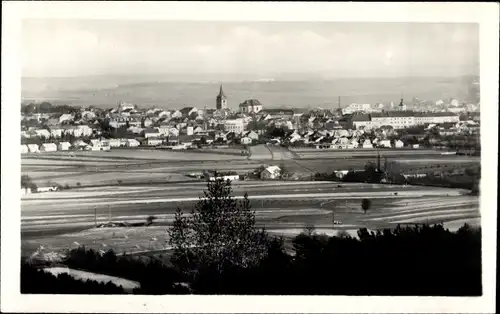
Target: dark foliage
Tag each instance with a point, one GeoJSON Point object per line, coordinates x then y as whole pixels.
{"type": "Point", "coordinates": [36, 281]}
{"type": "Point", "coordinates": [154, 276]}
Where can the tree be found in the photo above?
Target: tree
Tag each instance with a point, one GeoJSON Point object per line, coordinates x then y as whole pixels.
{"type": "Point", "coordinates": [366, 204]}
{"type": "Point", "coordinates": [219, 233]}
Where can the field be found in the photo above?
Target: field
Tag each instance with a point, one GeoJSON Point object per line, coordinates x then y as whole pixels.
{"type": "Point", "coordinates": [130, 187]}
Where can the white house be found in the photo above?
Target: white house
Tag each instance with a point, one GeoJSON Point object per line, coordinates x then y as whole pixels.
{"type": "Point", "coordinates": [85, 129]}
{"type": "Point", "coordinates": [63, 146]}
{"type": "Point", "coordinates": [234, 125]}
{"type": "Point", "coordinates": [246, 140]}
{"type": "Point", "coordinates": [399, 144]}
{"type": "Point", "coordinates": [164, 114]}
{"type": "Point", "coordinates": [115, 142]}
{"type": "Point", "coordinates": [48, 147]}
{"type": "Point", "coordinates": [46, 188]}
{"type": "Point", "coordinates": [132, 142]}
{"type": "Point", "coordinates": [33, 148]}
{"type": "Point", "coordinates": [251, 134]}
{"type": "Point", "coordinates": [177, 114]}
{"type": "Point", "coordinates": [79, 144]}
{"type": "Point", "coordinates": [95, 144]}
{"type": "Point", "coordinates": [65, 117]}
{"type": "Point", "coordinates": [367, 144]}
{"type": "Point", "coordinates": [385, 143]}
{"type": "Point", "coordinates": [105, 144]}
{"type": "Point", "coordinates": [24, 149]}
{"type": "Point", "coordinates": [153, 141]}
{"type": "Point", "coordinates": [225, 177]}
{"type": "Point", "coordinates": [151, 133]}
{"type": "Point", "coordinates": [56, 132]}
{"type": "Point", "coordinates": [42, 133]}
{"type": "Point", "coordinates": [271, 172]}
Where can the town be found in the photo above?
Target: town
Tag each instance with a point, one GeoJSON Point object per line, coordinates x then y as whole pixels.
{"type": "Point", "coordinates": [454, 126]}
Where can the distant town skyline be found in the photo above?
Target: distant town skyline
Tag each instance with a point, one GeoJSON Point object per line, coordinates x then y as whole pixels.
{"type": "Point", "coordinates": [72, 48]}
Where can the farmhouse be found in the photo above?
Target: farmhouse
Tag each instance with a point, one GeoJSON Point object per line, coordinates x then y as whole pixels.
{"type": "Point", "coordinates": [151, 133]}
{"type": "Point", "coordinates": [271, 172]}
{"type": "Point", "coordinates": [132, 142]}
{"type": "Point", "coordinates": [63, 146]}
{"type": "Point", "coordinates": [46, 188]}
{"type": "Point", "coordinates": [80, 145]}
{"type": "Point", "coordinates": [367, 144]}
{"type": "Point", "coordinates": [212, 176]}
{"type": "Point", "coordinates": [385, 143]}
{"type": "Point", "coordinates": [33, 148]}
{"type": "Point", "coordinates": [48, 147]}
{"type": "Point", "coordinates": [115, 142]}
{"type": "Point", "coordinates": [95, 145]}
{"type": "Point", "coordinates": [400, 144]}
{"type": "Point", "coordinates": [24, 149]}
{"type": "Point", "coordinates": [153, 141]}
{"type": "Point", "coordinates": [246, 140]}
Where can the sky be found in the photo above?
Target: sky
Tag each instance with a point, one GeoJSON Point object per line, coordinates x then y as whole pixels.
{"type": "Point", "coordinates": [63, 48]}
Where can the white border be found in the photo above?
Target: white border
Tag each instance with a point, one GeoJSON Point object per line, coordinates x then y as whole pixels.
{"type": "Point", "coordinates": [484, 13]}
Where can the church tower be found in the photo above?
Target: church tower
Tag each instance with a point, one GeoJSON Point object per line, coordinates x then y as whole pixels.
{"type": "Point", "coordinates": [221, 102]}
{"type": "Point", "coordinates": [402, 105]}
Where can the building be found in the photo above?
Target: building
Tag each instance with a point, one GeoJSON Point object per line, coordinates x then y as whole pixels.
{"type": "Point", "coordinates": [252, 135]}
{"type": "Point", "coordinates": [123, 106]}
{"type": "Point", "coordinates": [95, 145]}
{"type": "Point", "coordinates": [400, 144]}
{"type": "Point", "coordinates": [234, 125]}
{"type": "Point", "coordinates": [212, 176]}
{"type": "Point", "coordinates": [403, 119]}
{"type": "Point", "coordinates": [367, 144]}
{"type": "Point", "coordinates": [63, 146]}
{"type": "Point", "coordinates": [384, 143]}
{"type": "Point", "coordinates": [246, 140]}
{"type": "Point", "coordinates": [151, 133]}
{"type": "Point", "coordinates": [80, 145]}
{"type": "Point", "coordinates": [153, 141]}
{"type": "Point", "coordinates": [132, 142]}
{"type": "Point", "coordinates": [24, 149]}
{"type": "Point", "coordinates": [46, 188]}
{"type": "Point", "coordinates": [221, 100]}
{"type": "Point", "coordinates": [33, 148]}
{"type": "Point", "coordinates": [271, 172]}
{"type": "Point", "coordinates": [277, 113]}
{"type": "Point", "coordinates": [352, 108]}
{"type": "Point", "coordinates": [48, 147]}
{"type": "Point", "coordinates": [188, 111]}
{"type": "Point", "coordinates": [250, 106]}
{"type": "Point", "coordinates": [105, 145]}
{"type": "Point", "coordinates": [115, 142]}
{"type": "Point", "coordinates": [402, 105]}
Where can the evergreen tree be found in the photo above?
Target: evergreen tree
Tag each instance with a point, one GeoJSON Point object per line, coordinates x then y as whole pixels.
{"type": "Point", "coordinates": [219, 233]}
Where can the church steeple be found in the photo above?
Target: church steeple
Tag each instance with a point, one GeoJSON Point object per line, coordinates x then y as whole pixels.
{"type": "Point", "coordinates": [221, 101]}
{"type": "Point", "coordinates": [221, 92]}
{"type": "Point", "coordinates": [402, 106]}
